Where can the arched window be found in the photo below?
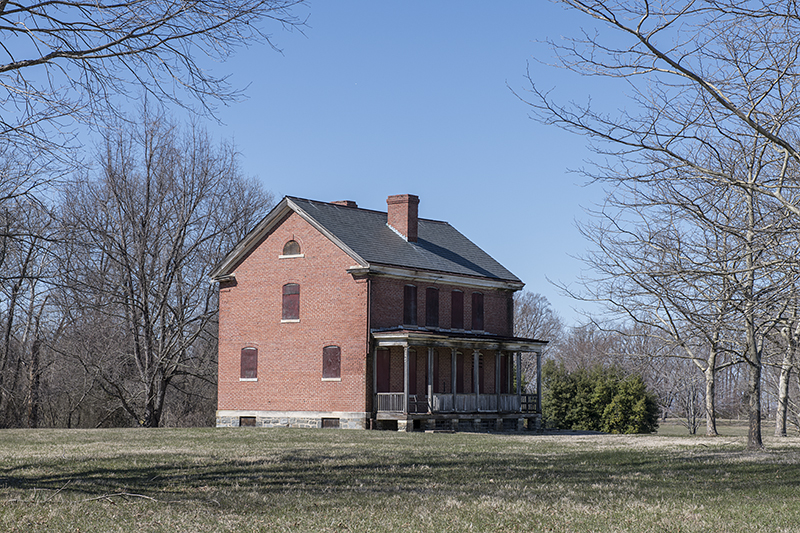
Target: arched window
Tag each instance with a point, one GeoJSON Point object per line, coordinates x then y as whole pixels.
{"type": "Point", "coordinates": [331, 362]}
{"type": "Point", "coordinates": [291, 302]}
{"type": "Point", "coordinates": [291, 248]}
{"type": "Point", "coordinates": [249, 363]}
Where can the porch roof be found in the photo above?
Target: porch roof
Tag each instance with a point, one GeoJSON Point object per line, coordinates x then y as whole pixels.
{"type": "Point", "coordinates": [454, 339]}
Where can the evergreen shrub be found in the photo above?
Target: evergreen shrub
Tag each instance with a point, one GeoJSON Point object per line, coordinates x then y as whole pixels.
{"type": "Point", "coordinates": [597, 399]}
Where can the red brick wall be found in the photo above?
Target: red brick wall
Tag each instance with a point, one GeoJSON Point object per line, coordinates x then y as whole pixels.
{"type": "Point", "coordinates": [333, 310]}
{"type": "Point", "coordinates": [387, 305]}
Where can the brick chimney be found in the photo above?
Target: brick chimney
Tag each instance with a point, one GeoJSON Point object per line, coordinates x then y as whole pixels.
{"type": "Point", "coordinates": [403, 215]}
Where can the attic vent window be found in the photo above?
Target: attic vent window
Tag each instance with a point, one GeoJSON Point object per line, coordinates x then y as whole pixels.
{"type": "Point", "coordinates": [291, 249]}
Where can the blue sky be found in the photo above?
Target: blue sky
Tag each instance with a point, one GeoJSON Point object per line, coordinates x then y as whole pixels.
{"type": "Point", "coordinates": [381, 98]}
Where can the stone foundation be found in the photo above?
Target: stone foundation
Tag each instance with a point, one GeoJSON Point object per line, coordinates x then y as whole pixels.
{"type": "Point", "coordinates": [462, 423]}
{"type": "Point", "coordinates": [310, 420]}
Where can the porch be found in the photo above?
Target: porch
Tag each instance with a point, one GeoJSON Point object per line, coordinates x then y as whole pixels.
{"type": "Point", "coordinates": [392, 403]}
{"type": "Point", "coordinates": [428, 377]}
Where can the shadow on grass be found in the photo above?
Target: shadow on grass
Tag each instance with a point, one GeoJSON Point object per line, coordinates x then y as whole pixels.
{"type": "Point", "coordinates": [369, 471]}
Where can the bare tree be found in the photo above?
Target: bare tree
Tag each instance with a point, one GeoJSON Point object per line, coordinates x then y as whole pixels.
{"type": "Point", "coordinates": [534, 318]}
{"type": "Point", "coordinates": [586, 346]}
{"type": "Point", "coordinates": [28, 251]}
{"type": "Point", "coordinates": [714, 91]}
{"type": "Point", "coordinates": [164, 209]}
{"type": "Point", "coordinates": [67, 62]}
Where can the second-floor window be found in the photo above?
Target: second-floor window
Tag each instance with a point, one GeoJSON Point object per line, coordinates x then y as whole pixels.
{"type": "Point", "coordinates": [291, 302]}
{"type": "Point", "coordinates": [456, 310]}
{"type": "Point", "coordinates": [432, 307]}
{"type": "Point", "coordinates": [477, 311]}
{"type": "Point", "coordinates": [410, 305]}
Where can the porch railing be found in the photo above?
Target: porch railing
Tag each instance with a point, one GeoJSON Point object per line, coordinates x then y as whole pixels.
{"type": "Point", "coordinates": [529, 404]}
{"type": "Point", "coordinates": [390, 401]}
{"type": "Point", "coordinates": [457, 403]}
{"type": "Point", "coordinates": [393, 402]}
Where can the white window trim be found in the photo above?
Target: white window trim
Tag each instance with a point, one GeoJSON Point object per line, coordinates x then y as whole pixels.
{"type": "Point", "coordinates": [331, 379]}
{"type": "Point", "coordinates": [248, 379]}
{"type": "Point", "coordinates": [291, 256]}
{"type": "Point", "coordinates": [290, 320]}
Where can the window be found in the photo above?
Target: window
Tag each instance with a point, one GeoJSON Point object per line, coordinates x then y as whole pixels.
{"type": "Point", "coordinates": [432, 307]}
{"type": "Point", "coordinates": [249, 364]}
{"type": "Point", "coordinates": [332, 423]}
{"type": "Point", "coordinates": [410, 305]}
{"type": "Point", "coordinates": [247, 421]}
{"type": "Point", "coordinates": [456, 310]}
{"type": "Point", "coordinates": [331, 362]}
{"type": "Point", "coordinates": [291, 302]}
{"type": "Point", "coordinates": [477, 311]}
{"type": "Point", "coordinates": [291, 248]}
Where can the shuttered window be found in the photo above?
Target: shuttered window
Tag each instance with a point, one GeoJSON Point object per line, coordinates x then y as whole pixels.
{"type": "Point", "coordinates": [331, 362]}
{"type": "Point", "coordinates": [477, 311]}
{"type": "Point", "coordinates": [249, 363]}
{"type": "Point", "coordinates": [457, 310]}
{"type": "Point", "coordinates": [410, 305]}
{"type": "Point", "coordinates": [291, 302]}
{"type": "Point", "coordinates": [432, 307]}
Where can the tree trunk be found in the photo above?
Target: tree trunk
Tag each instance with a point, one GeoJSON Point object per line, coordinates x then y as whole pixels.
{"type": "Point", "coordinates": [754, 441]}
{"type": "Point", "coordinates": [753, 348]}
{"type": "Point", "coordinates": [711, 410]}
{"type": "Point", "coordinates": [34, 379]}
{"type": "Point", "coordinates": [783, 392]}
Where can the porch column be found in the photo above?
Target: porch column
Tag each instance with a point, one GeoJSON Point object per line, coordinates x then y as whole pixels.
{"type": "Point", "coordinates": [375, 378]}
{"type": "Point", "coordinates": [539, 381]}
{"type": "Point", "coordinates": [405, 378]}
{"type": "Point", "coordinates": [497, 377]}
{"type": "Point", "coordinates": [519, 379]}
{"type": "Point", "coordinates": [430, 380]}
{"type": "Point", "coordinates": [453, 374]}
{"type": "Point", "coordinates": [476, 377]}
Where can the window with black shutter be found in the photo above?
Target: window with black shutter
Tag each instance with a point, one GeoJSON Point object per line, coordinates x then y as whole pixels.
{"type": "Point", "coordinates": [291, 302]}
{"type": "Point", "coordinates": [331, 362]}
{"type": "Point", "coordinates": [432, 307]}
{"type": "Point", "coordinates": [249, 363]}
{"type": "Point", "coordinates": [410, 305]}
{"type": "Point", "coordinates": [477, 311]}
{"type": "Point", "coordinates": [456, 310]}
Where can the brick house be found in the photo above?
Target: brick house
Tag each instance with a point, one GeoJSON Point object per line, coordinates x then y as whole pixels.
{"type": "Point", "coordinates": [336, 316]}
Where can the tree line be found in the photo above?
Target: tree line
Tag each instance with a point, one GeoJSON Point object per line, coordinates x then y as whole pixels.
{"type": "Point", "coordinates": [596, 353]}
{"type": "Point", "coordinates": [695, 243]}
{"type": "Point", "coordinates": [107, 316]}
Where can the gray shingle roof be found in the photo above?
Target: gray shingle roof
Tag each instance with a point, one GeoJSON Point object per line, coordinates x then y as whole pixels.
{"type": "Point", "coordinates": [439, 247]}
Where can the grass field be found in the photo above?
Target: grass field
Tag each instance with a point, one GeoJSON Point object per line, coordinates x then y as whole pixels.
{"type": "Point", "coordinates": [186, 480]}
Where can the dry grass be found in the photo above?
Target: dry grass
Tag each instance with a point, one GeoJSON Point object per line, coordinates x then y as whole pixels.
{"type": "Point", "coordinates": [331, 480]}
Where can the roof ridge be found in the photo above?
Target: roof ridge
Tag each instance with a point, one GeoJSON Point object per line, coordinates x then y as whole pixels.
{"type": "Point", "coordinates": [359, 208]}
